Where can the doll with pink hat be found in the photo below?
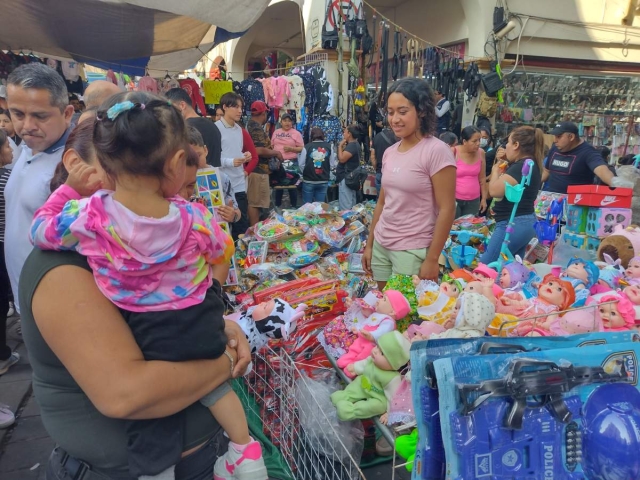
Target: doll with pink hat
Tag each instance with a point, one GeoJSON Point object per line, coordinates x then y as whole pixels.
{"type": "Point", "coordinates": [391, 307]}
{"type": "Point", "coordinates": [616, 312]}
{"type": "Point", "coordinates": [482, 272]}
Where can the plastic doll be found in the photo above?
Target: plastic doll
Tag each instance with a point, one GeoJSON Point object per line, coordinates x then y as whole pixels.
{"type": "Point", "coordinates": [583, 275]}
{"type": "Point", "coordinates": [576, 322]}
{"type": "Point", "coordinates": [272, 319]}
{"type": "Point", "coordinates": [436, 302]}
{"type": "Point", "coordinates": [616, 317]}
{"type": "Point", "coordinates": [632, 273]}
{"type": "Point", "coordinates": [391, 307]}
{"type": "Point", "coordinates": [632, 292]}
{"type": "Point", "coordinates": [484, 287]}
{"type": "Point", "coordinates": [482, 272]}
{"type": "Point", "coordinates": [338, 335]}
{"type": "Point", "coordinates": [514, 276]}
{"type": "Point", "coordinates": [377, 379]}
{"type": "Point", "coordinates": [474, 316]}
{"type": "Point", "coordinates": [554, 295]}
{"type": "Point", "coordinates": [424, 330]}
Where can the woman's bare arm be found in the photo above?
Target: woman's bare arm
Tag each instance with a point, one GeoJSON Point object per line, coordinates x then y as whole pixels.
{"type": "Point", "coordinates": [90, 337]}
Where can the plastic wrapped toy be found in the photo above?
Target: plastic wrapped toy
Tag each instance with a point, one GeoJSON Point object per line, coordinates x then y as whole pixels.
{"type": "Point", "coordinates": [382, 320]}
{"type": "Point", "coordinates": [377, 379]}
{"type": "Point", "coordinates": [435, 302]}
{"type": "Point", "coordinates": [475, 314]}
{"type": "Point", "coordinates": [272, 319]}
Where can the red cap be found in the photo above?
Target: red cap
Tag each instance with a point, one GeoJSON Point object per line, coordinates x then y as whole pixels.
{"type": "Point", "coordinates": [258, 107]}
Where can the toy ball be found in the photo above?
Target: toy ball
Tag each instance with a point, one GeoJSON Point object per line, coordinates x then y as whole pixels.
{"type": "Point", "coordinates": [612, 433]}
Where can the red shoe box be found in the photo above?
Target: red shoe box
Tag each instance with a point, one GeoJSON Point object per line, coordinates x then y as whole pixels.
{"type": "Point", "coordinates": [600, 196]}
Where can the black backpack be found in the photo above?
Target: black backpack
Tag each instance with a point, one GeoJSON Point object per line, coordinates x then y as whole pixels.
{"type": "Point", "coordinates": [330, 39]}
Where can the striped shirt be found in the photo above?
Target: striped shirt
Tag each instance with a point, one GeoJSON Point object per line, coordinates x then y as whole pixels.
{"type": "Point", "coordinates": [4, 176]}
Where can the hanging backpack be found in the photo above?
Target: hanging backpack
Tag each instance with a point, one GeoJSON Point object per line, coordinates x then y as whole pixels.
{"type": "Point", "coordinates": [487, 105]}
{"type": "Point", "coordinates": [471, 81]}
{"type": "Point", "coordinates": [330, 38]}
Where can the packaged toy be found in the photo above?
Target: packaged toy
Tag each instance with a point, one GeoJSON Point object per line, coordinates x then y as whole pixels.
{"type": "Point", "coordinates": [540, 414]}
{"type": "Point", "coordinates": [430, 459]}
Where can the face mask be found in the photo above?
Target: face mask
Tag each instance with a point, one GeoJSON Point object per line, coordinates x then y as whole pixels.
{"type": "Point", "coordinates": [484, 142]}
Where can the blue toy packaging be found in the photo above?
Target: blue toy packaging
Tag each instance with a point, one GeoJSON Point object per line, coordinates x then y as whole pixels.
{"type": "Point", "coordinates": [429, 462]}
{"type": "Point", "coordinates": [562, 414]}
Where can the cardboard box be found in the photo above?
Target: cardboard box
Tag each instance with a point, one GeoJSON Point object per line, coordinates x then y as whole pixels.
{"type": "Point", "coordinates": [592, 244]}
{"type": "Point", "coordinates": [602, 221]}
{"type": "Point", "coordinates": [576, 218]}
{"type": "Point", "coordinates": [576, 240]}
{"type": "Point", "coordinates": [600, 196]}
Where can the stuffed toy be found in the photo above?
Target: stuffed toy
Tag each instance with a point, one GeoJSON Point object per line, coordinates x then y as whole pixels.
{"type": "Point", "coordinates": [273, 319]}
{"type": "Point", "coordinates": [338, 335]}
{"type": "Point", "coordinates": [474, 316]}
{"type": "Point", "coordinates": [632, 273]}
{"type": "Point", "coordinates": [377, 379]}
{"type": "Point", "coordinates": [554, 295]}
{"type": "Point", "coordinates": [435, 302]}
{"type": "Point", "coordinates": [623, 244]}
{"type": "Point", "coordinates": [391, 307]}
{"type": "Point", "coordinates": [582, 275]}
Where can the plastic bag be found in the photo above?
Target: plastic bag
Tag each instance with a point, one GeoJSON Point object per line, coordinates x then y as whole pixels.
{"type": "Point", "coordinates": [563, 252]}
{"type": "Point", "coordinates": [329, 436]}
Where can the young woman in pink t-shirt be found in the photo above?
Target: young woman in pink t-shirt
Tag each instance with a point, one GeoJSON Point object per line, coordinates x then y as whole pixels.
{"type": "Point", "coordinates": [471, 183]}
{"type": "Point", "coordinates": [416, 206]}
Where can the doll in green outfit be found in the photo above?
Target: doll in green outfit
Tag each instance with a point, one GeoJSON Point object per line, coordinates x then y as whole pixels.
{"type": "Point", "coordinates": [378, 379]}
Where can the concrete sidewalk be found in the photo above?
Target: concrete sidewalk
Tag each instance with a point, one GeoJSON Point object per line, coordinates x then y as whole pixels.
{"type": "Point", "coordinates": [25, 446]}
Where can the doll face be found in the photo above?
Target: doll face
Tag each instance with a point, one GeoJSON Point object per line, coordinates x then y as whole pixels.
{"type": "Point", "coordinates": [633, 293]}
{"type": "Point", "coordinates": [263, 310]}
{"type": "Point", "coordinates": [634, 270]}
{"type": "Point", "coordinates": [551, 292]}
{"type": "Point", "coordinates": [449, 289]}
{"type": "Point", "coordinates": [577, 270]}
{"type": "Point", "coordinates": [611, 318]}
{"type": "Point", "coordinates": [384, 306]}
{"type": "Point", "coordinates": [505, 278]}
{"type": "Point", "coordinates": [380, 360]}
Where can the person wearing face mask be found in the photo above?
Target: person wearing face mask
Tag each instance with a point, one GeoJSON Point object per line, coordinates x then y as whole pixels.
{"type": "Point", "coordinates": [471, 186]}
{"type": "Point", "coordinates": [524, 143]}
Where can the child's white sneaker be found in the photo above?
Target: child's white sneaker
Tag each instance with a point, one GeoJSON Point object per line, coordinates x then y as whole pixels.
{"type": "Point", "coordinates": [245, 465]}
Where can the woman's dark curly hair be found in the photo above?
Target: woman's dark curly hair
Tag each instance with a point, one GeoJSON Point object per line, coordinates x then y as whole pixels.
{"type": "Point", "coordinates": [420, 94]}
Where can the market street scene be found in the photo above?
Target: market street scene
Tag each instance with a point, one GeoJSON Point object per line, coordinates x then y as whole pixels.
{"type": "Point", "coordinates": [320, 240]}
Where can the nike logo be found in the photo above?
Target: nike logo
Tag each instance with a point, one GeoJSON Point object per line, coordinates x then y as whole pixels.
{"type": "Point", "coordinates": [608, 200]}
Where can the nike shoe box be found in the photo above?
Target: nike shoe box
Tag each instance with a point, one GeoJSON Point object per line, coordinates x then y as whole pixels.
{"type": "Point", "coordinates": [600, 196]}
{"type": "Point", "coordinates": [602, 221]}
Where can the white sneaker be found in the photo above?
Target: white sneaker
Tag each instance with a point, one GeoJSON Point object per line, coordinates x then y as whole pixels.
{"type": "Point", "coordinates": [5, 365]}
{"type": "Point", "coordinates": [247, 465]}
{"type": "Point", "coordinates": [12, 310]}
{"type": "Point", "coordinates": [7, 418]}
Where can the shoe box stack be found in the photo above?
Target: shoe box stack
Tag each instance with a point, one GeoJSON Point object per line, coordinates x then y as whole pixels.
{"type": "Point", "coordinates": [593, 211]}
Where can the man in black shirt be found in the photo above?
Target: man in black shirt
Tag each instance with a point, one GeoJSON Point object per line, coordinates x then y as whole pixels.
{"type": "Point", "coordinates": [208, 130]}
{"type": "Point", "coordinates": [572, 161]}
{"type": "Point", "coordinates": [381, 142]}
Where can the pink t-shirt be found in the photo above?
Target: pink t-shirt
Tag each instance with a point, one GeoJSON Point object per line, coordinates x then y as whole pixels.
{"type": "Point", "coordinates": [468, 179]}
{"type": "Point", "coordinates": [409, 214]}
{"type": "Point", "coordinates": [290, 138]}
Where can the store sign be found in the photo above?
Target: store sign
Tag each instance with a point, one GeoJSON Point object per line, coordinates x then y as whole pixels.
{"type": "Point", "coordinates": [214, 89]}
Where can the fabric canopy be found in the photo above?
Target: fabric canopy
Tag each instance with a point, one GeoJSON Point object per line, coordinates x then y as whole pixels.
{"type": "Point", "coordinates": [126, 35]}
